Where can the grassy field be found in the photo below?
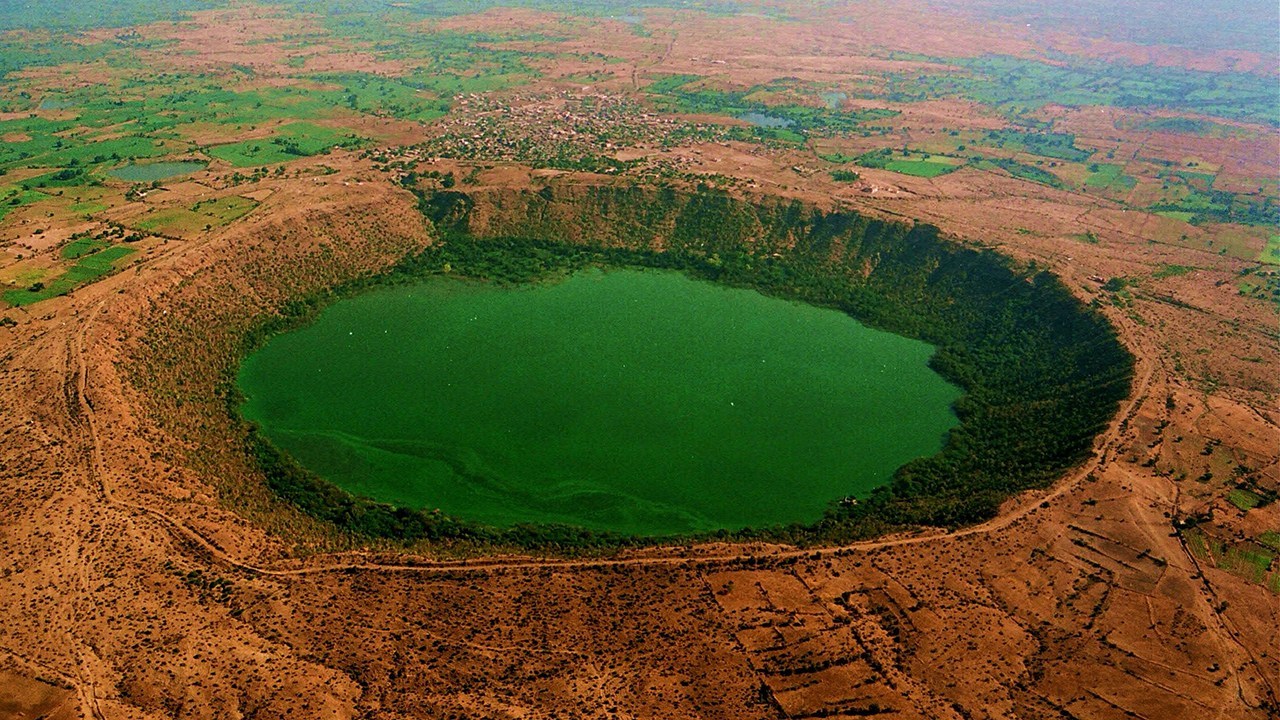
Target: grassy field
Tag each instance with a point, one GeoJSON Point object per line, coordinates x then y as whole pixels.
{"type": "Point", "coordinates": [1060, 146]}
{"type": "Point", "coordinates": [781, 101]}
{"type": "Point", "coordinates": [907, 162]}
{"type": "Point", "coordinates": [1190, 126]}
{"type": "Point", "coordinates": [173, 221]}
{"type": "Point", "coordinates": [1249, 560]}
{"type": "Point", "coordinates": [204, 215]}
{"type": "Point", "coordinates": [226, 209]}
{"type": "Point", "coordinates": [90, 267]}
{"type": "Point", "coordinates": [15, 197]}
{"type": "Point", "coordinates": [1021, 170]}
{"type": "Point", "coordinates": [81, 247]}
{"type": "Point", "coordinates": [927, 167]}
{"type": "Point", "coordinates": [1172, 271]}
{"type": "Point", "coordinates": [289, 142]}
{"type": "Point", "coordinates": [1244, 499]}
{"type": "Point", "coordinates": [1108, 176]}
{"type": "Point", "coordinates": [1018, 87]}
{"type": "Point", "coordinates": [1271, 253]}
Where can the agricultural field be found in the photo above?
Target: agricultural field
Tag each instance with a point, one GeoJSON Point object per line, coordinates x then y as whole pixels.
{"type": "Point", "coordinates": [286, 143]}
{"type": "Point", "coordinates": [928, 166]}
{"type": "Point", "coordinates": [1271, 253]}
{"type": "Point", "coordinates": [1060, 222]}
{"type": "Point", "coordinates": [89, 266]}
{"type": "Point", "coordinates": [203, 216]}
{"type": "Point", "coordinates": [1107, 176]}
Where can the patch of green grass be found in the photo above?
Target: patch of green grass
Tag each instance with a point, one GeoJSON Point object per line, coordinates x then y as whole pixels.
{"type": "Point", "coordinates": [110, 150]}
{"type": "Point", "coordinates": [90, 268]}
{"type": "Point", "coordinates": [782, 134]}
{"type": "Point", "coordinates": [1107, 176]}
{"type": "Point", "coordinates": [1060, 146]}
{"type": "Point", "coordinates": [1250, 562]}
{"type": "Point", "coordinates": [839, 158]}
{"type": "Point", "coordinates": [1182, 215]}
{"type": "Point", "coordinates": [680, 93]}
{"type": "Point", "coordinates": [13, 198]}
{"type": "Point", "coordinates": [1172, 271]}
{"type": "Point", "coordinates": [225, 210]}
{"type": "Point", "coordinates": [909, 162]}
{"type": "Point", "coordinates": [80, 247]}
{"type": "Point", "coordinates": [98, 264]}
{"type": "Point", "coordinates": [1247, 560]}
{"type": "Point", "coordinates": [69, 177]}
{"type": "Point", "coordinates": [1271, 253]}
{"type": "Point", "coordinates": [922, 167]}
{"type": "Point", "coordinates": [1207, 205]}
{"type": "Point", "coordinates": [172, 221]}
{"type": "Point", "coordinates": [373, 94]}
{"type": "Point", "coordinates": [670, 83]}
{"type": "Point", "coordinates": [1270, 539]}
{"type": "Point", "coordinates": [30, 275]}
{"type": "Point", "coordinates": [67, 14]}
{"type": "Point", "coordinates": [1017, 87]}
{"type": "Point", "coordinates": [449, 85]}
{"type": "Point", "coordinates": [88, 207]}
{"type": "Point", "coordinates": [201, 216]}
{"type": "Point", "coordinates": [1199, 180]}
{"type": "Point", "coordinates": [1244, 499]}
{"type": "Point", "coordinates": [1189, 126]}
{"type": "Point", "coordinates": [1022, 171]}
{"type": "Point", "coordinates": [289, 142]}
{"type": "Point", "coordinates": [1178, 125]}
{"type": "Point", "coordinates": [1197, 543]}
{"type": "Point", "coordinates": [249, 153]}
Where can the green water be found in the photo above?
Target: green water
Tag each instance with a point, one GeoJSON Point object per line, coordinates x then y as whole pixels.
{"type": "Point", "coordinates": [637, 401]}
{"type": "Point", "coordinates": [151, 172]}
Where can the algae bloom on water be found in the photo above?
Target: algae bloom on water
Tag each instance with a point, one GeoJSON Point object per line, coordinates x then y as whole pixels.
{"type": "Point", "coordinates": [634, 401]}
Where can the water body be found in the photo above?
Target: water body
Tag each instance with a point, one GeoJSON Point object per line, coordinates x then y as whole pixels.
{"type": "Point", "coordinates": [638, 401]}
{"type": "Point", "coordinates": [760, 119]}
{"type": "Point", "coordinates": [150, 172]}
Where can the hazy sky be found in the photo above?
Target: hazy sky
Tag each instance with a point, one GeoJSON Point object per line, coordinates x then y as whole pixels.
{"type": "Point", "coordinates": [1205, 24]}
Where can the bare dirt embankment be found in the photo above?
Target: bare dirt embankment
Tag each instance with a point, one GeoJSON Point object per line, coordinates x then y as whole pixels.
{"type": "Point", "coordinates": [136, 590]}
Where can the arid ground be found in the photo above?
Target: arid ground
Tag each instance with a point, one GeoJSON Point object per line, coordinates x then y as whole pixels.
{"type": "Point", "coordinates": [147, 571]}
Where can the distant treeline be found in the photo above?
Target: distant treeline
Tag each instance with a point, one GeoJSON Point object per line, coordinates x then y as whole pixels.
{"type": "Point", "coordinates": [1042, 373]}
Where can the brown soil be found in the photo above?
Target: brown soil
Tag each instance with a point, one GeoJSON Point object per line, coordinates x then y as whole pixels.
{"type": "Point", "coordinates": [145, 571]}
{"type": "Point", "coordinates": [1076, 600]}
{"type": "Point", "coordinates": [27, 697]}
